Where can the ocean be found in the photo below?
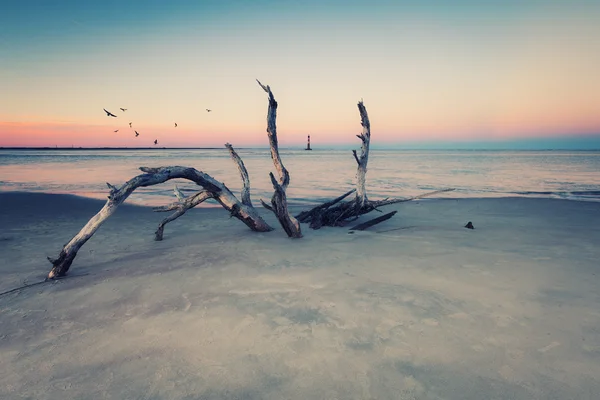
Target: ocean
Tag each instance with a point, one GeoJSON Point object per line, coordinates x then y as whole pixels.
{"type": "Point", "coordinates": [315, 175]}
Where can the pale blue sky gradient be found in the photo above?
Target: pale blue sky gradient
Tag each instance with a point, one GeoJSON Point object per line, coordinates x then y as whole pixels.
{"type": "Point", "coordinates": [429, 71]}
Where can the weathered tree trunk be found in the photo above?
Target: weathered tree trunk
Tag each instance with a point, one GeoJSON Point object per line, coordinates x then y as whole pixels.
{"type": "Point", "coordinates": [185, 204]}
{"type": "Point", "coordinates": [361, 172]}
{"type": "Point", "coordinates": [154, 176]}
{"type": "Point", "coordinates": [279, 201]}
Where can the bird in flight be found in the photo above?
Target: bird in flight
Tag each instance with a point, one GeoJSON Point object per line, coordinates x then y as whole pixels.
{"type": "Point", "coordinates": [130, 124]}
{"type": "Point", "coordinates": [156, 142]}
{"type": "Point", "coordinates": [109, 114]}
{"type": "Point", "coordinates": [175, 124]}
{"type": "Point", "coordinates": [137, 134]}
{"type": "Point", "coordinates": [207, 110]}
{"type": "Point", "coordinates": [123, 109]}
{"type": "Point", "coordinates": [116, 131]}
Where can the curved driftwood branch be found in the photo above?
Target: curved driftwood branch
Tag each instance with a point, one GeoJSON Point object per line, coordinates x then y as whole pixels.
{"type": "Point", "coordinates": [158, 235]}
{"type": "Point", "coordinates": [154, 176]}
{"type": "Point", "coordinates": [181, 206]}
{"type": "Point", "coordinates": [243, 173]}
{"type": "Point", "coordinates": [185, 204]}
{"type": "Point", "coordinates": [279, 202]}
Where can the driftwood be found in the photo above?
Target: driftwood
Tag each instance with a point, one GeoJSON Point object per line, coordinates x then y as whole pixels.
{"type": "Point", "coordinates": [337, 213]}
{"type": "Point", "coordinates": [243, 173]}
{"type": "Point", "coordinates": [327, 215]}
{"type": "Point", "coordinates": [314, 216]}
{"type": "Point", "coordinates": [304, 216]}
{"type": "Point", "coordinates": [183, 204]}
{"type": "Point", "coordinates": [279, 201]}
{"type": "Point", "coordinates": [333, 213]}
{"type": "Point", "coordinates": [374, 221]}
{"type": "Point", "coordinates": [361, 172]}
{"type": "Point", "coordinates": [153, 176]}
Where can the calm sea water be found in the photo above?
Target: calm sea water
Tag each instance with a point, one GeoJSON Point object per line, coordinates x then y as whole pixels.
{"type": "Point", "coordinates": [315, 175]}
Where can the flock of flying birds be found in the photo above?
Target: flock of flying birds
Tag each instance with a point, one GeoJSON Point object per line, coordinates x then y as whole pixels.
{"type": "Point", "coordinates": [109, 114]}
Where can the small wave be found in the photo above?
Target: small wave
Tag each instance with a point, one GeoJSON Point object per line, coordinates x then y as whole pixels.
{"type": "Point", "coordinates": [579, 195]}
{"type": "Point", "coordinates": [534, 193]}
{"type": "Point", "coordinates": [587, 193]}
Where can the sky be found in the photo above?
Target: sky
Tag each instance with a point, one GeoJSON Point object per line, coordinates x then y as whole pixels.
{"type": "Point", "coordinates": [432, 72]}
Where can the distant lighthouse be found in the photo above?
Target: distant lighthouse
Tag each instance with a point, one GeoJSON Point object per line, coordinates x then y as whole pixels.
{"type": "Point", "coordinates": [308, 144]}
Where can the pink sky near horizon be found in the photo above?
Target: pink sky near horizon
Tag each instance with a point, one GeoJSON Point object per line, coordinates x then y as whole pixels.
{"type": "Point", "coordinates": [65, 134]}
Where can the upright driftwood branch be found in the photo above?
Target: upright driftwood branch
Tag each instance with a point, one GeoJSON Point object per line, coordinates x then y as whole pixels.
{"type": "Point", "coordinates": [284, 176]}
{"type": "Point", "coordinates": [361, 172]}
{"type": "Point", "coordinates": [279, 201]}
{"type": "Point", "coordinates": [337, 213]}
{"type": "Point", "coordinates": [154, 176]}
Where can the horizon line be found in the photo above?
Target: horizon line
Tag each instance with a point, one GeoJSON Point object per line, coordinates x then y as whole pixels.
{"type": "Point", "coordinates": [297, 148]}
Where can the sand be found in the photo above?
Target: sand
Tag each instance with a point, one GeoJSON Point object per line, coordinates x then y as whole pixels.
{"type": "Point", "coordinates": [510, 310]}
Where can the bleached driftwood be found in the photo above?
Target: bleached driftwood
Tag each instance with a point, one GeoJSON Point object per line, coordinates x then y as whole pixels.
{"type": "Point", "coordinates": [185, 204]}
{"type": "Point", "coordinates": [337, 213]}
{"type": "Point", "coordinates": [332, 213]}
{"type": "Point", "coordinates": [153, 176]}
{"type": "Point", "coordinates": [244, 175]}
{"type": "Point", "coordinates": [279, 201]}
{"type": "Point", "coordinates": [180, 206]}
{"type": "Point", "coordinates": [361, 172]}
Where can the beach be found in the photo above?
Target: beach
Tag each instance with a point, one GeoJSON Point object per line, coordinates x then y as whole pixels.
{"type": "Point", "coordinates": [417, 307]}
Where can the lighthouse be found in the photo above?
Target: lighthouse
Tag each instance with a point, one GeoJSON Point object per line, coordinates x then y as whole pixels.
{"type": "Point", "coordinates": [308, 144]}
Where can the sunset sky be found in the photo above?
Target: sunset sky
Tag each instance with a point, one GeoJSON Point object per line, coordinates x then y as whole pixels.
{"type": "Point", "coordinates": [428, 71]}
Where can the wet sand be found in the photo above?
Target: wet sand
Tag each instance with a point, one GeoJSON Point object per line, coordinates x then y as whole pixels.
{"type": "Point", "coordinates": [417, 307]}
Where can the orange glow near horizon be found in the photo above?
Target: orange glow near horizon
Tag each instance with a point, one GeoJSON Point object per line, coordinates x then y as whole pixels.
{"type": "Point", "coordinates": [18, 134]}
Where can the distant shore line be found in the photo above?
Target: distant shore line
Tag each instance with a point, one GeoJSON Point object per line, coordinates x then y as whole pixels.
{"type": "Point", "coordinates": [291, 148]}
{"type": "Point", "coordinates": [116, 148]}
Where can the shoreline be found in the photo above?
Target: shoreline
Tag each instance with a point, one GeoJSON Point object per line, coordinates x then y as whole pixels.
{"type": "Point", "coordinates": [297, 204]}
